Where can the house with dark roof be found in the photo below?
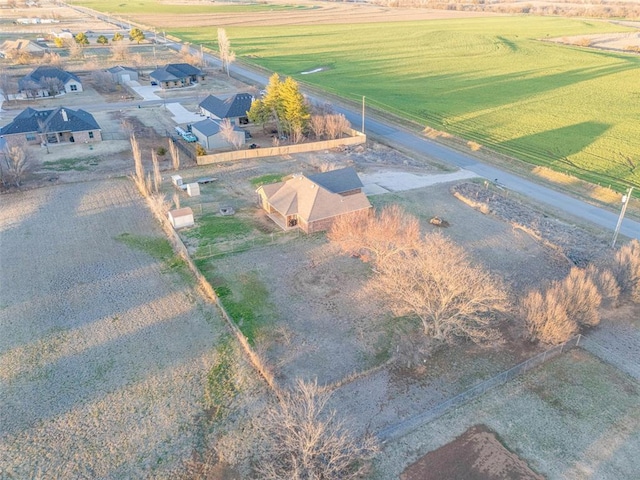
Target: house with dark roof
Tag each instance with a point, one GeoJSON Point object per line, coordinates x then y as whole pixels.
{"type": "Point", "coordinates": [176, 75]}
{"type": "Point", "coordinates": [121, 75]}
{"type": "Point", "coordinates": [59, 125]}
{"type": "Point", "coordinates": [48, 81]}
{"type": "Point", "coordinates": [210, 136]}
{"type": "Point", "coordinates": [234, 108]}
{"type": "Point", "coordinates": [312, 203]}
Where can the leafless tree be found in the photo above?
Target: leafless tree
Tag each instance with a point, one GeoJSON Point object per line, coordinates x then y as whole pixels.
{"type": "Point", "coordinates": [43, 128]}
{"type": "Point", "coordinates": [52, 85]}
{"type": "Point", "coordinates": [607, 284]}
{"type": "Point", "coordinates": [227, 57]}
{"type": "Point", "coordinates": [546, 318]}
{"type": "Point", "coordinates": [52, 58]}
{"type": "Point", "coordinates": [76, 51]}
{"type": "Point", "coordinates": [187, 56]}
{"type": "Point", "coordinates": [626, 269]}
{"type": "Point", "coordinates": [17, 160]}
{"type": "Point", "coordinates": [437, 283]}
{"type": "Point", "coordinates": [229, 134]}
{"type": "Point", "coordinates": [103, 81]}
{"type": "Point", "coordinates": [580, 294]}
{"type": "Point", "coordinates": [31, 89]}
{"type": "Point", "coordinates": [141, 181]}
{"type": "Point", "coordinates": [376, 238]}
{"type": "Point", "coordinates": [317, 124]}
{"type": "Point", "coordinates": [119, 51]}
{"type": "Point", "coordinates": [8, 85]}
{"type": "Point", "coordinates": [175, 155]}
{"type": "Point", "coordinates": [335, 125]}
{"type": "Point", "coordinates": [157, 178]}
{"type": "Point", "coordinates": [305, 441]}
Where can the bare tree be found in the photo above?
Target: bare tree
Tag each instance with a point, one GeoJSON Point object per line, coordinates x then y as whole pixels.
{"type": "Point", "coordinates": [546, 318]}
{"type": "Point", "coordinates": [142, 182]}
{"type": "Point", "coordinates": [17, 160]}
{"type": "Point", "coordinates": [43, 127]}
{"type": "Point", "coordinates": [305, 441]}
{"type": "Point", "coordinates": [175, 155]}
{"type": "Point", "coordinates": [119, 51]}
{"type": "Point", "coordinates": [437, 283]}
{"type": "Point", "coordinates": [626, 269]}
{"type": "Point", "coordinates": [317, 123]}
{"type": "Point", "coordinates": [52, 58]}
{"type": "Point", "coordinates": [229, 134]}
{"type": "Point", "coordinates": [607, 284]}
{"type": "Point", "coordinates": [31, 89]}
{"type": "Point", "coordinates": [227, 57]}
{"type": "Point", "coordinates": [8, 85]}
{"type": "Point", "coordinates": [581, 297]}
{"type": "Point", "coordinates": [103, 81]}
{"type": "Point", "coordinates": [378, 237]}
{"type": "Point", "coordinates": [157, 178]}
{"type": "Point", "coordinates": [335, 125]}
{"type": "Point", "coordinates": [187, 56]}
{"type": "Point", "coordinates": [53, 85]}
{"type": "Point", "coordinates": [76, 51]}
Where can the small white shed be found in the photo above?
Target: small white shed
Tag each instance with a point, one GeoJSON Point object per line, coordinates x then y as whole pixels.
{"type": "Point", "coordinates": [181, 218]}
{"type": "Point", "coordinates": [176, 180]}
{"type": "Point", "coordinates": [193, 189]}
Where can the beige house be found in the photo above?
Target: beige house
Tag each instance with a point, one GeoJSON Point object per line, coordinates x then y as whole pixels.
{"type": "Point", "coordinates": [312, 203]}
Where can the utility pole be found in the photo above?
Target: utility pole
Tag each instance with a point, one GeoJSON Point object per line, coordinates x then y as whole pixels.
{"type": "Point", "coordinates": [625, 202]}
{"type": "Point", "coordinates": [363, 104]}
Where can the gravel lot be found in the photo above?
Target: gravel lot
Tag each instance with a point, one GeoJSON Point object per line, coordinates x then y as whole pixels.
{"type": "Point", "coordinates": [104, 350]}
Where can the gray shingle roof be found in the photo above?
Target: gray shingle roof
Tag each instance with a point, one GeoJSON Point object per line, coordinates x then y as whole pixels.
{"type": "Point", "coordinates": [54, 121]}
{"type": "Point", "coordinates": [337, 181]}
{"type": "Point", "coordinates": [232, 107]}
{"type": "Point", "coordinates": [175, 71]}
{"type": "Point", "coordinates": [47, 72]}
{"type": "Point", "coordinates": [207, 127]}
{"type": "Point", "coordinates": [120, 68]}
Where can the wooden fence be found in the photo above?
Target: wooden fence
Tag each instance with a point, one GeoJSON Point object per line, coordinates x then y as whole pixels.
{"type": "Point", "coordinates": [354, 138]}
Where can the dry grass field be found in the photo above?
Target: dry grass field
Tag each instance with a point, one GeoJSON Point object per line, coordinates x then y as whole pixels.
{"type": "Point", "coordinates": [105, 345]}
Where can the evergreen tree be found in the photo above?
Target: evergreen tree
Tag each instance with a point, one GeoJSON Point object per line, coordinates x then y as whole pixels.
{"type": "Point", "coordinates": [81, 39]}
{"type": "Point", "coordinates": [102, 40]}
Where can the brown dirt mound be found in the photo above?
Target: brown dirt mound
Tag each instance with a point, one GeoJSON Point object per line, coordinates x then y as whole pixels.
{"type": "Point", "coordinates": [477, 454]}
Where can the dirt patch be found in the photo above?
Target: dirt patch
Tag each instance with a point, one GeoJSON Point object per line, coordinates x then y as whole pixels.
{"type": "Point", "coordinates": [580, 247]}
{"type": "Point", "coordinates": [477, 454]}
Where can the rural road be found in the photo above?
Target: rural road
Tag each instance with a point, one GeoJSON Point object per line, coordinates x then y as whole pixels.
{"type": "Point", "coordinates": [393, 134]}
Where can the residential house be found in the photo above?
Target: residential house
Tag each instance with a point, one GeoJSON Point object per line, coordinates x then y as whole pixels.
{"type": "Point", "coordinates": [48, 81]}
{"type": "Point", "coordinates": [210, 136]}
{"type": "Point", "coordinates": [234, 108]}
{"type": "Point", "coordinates": [122, 75]}
{"type": "Point", "coordinates": [59, 125]}
{"type": "Point", "coordinates": [20, 47]}
{"type": "Point", "coordinates": [176, 75]}
{"type": "Point", "coordinates": [312, 203]}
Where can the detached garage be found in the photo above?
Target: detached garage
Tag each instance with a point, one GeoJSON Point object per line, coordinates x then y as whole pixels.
{"type": "Point", "coordinates": [121, 75]}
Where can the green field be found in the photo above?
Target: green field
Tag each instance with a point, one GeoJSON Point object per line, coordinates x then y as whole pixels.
{"type": "Point", "coordinates": [493, 81]}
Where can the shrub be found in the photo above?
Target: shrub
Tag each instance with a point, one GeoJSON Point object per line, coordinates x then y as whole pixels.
{"type": "Point", "coordinates": [200, 150]}
{"type": "Point", "coordinates": [626, 270]}
{"type": "Point", "coordinates": [581, 297]}
{"type": "Point", "coordinates": [546, 318]}
{"type": "Point", "coordinates": [607, 284]}
{"type": "Point", "coordinates": [161, 151]}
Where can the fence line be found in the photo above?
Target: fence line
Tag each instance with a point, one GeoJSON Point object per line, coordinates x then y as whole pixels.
{"type": "Point", "coordinates": [624, 364]}
{"type": "Point", "coordinates": [410, 424]}
{"type": "Point", "coordinates": [242, 244]}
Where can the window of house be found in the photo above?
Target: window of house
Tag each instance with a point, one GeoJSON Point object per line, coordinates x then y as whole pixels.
{"type": "Point", "coordinates": [31, 137]}
{"type": "Point", "coordinates": [90, 134]}
{"type": "Point", "coordinates": [74, 88]}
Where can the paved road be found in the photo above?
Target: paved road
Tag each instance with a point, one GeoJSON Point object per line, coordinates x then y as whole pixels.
{"type": "Point", "coordinates": [387, 131]}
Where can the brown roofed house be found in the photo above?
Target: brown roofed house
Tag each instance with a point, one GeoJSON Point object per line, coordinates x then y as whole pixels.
{"type": "Point", "coordinates": [313, 202]}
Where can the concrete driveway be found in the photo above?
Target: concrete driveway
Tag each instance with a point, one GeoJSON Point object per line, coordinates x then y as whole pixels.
{"type": "Point", "coordinates": [182, 115]}
{"type": "Point", "coordinates": [389, 181]}
{"type": "Point", "coordinates": [146, 92]}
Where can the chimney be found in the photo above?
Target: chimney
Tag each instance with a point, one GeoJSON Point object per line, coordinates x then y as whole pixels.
{"type": "Point", "coordinates": [64, 115]}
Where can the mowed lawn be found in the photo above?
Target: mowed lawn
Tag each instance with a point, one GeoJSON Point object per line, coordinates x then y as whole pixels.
{"type": "Point", "coordinates": [117, 7]}
{"type": "Point", "coordinates": [491, 80]}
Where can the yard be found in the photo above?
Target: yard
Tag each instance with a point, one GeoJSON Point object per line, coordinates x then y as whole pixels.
{"type": "Point", "coordinates": [106, 345]}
